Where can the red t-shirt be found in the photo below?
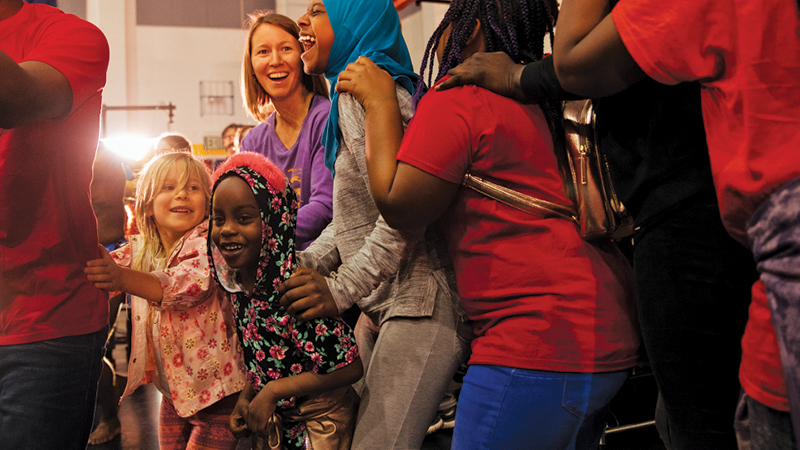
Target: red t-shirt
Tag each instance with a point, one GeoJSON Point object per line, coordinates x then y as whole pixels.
{"type": "Point", "coordinates": [761, 372]}
{"type": "Point", "coordinates": [541, 297]}
{"type": "Point", "coordinates": [47, 226]}
{"type": "Point", "coordinates": [746, 54]}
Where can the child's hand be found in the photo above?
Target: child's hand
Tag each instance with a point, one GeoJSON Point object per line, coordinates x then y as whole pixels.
{"type": "Point", "coordinates": [237, 421]}
{"type": "Point", "coordinates": [104, 272]}
{"type": "Point", "coordinates": [260, 411]}
{"type": "Point", "coordinates": [368, 83]}
{"type": "Point", "coordinates": [306, 296]}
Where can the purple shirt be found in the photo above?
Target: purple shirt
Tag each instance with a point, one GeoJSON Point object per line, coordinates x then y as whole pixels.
{"type": "Point", "coordinates": [304, 166]}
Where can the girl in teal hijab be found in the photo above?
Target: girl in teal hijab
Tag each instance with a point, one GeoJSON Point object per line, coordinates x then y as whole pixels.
{"type": "Point", "coordinates": [368, 28]}
{"type": "Point", "coordinates": [411, 324]}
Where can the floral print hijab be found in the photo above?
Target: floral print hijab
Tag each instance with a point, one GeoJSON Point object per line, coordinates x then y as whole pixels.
{"type": "Point", "coordinates": [277, 203]}
{"type": "Point", "coordinates": [274, 346]}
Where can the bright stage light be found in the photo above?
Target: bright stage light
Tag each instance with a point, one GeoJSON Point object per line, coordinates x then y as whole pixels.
{"type": "Point", "coordinates": [130, 147]}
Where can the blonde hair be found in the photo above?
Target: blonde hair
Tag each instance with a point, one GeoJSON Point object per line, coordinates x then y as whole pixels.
{"type": "Point", "coordinates": [255, 97]}
{"type": "Point", "coordinates": [153, 255]}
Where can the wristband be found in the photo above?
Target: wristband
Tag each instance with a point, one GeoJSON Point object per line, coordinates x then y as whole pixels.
{"type": "Point", "coordinates": [539, 82]}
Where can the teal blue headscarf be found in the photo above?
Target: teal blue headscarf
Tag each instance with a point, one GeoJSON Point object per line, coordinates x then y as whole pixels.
{"type": "Point", "coordinates": [368, 28]}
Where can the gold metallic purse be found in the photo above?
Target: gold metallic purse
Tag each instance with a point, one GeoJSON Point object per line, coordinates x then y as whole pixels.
{"type": "Point", "coordinates": [329, 417]}
{"type": "Point", "coordinates": [601, 213]}
{"type": "Point", "coordinates": [598, 214]}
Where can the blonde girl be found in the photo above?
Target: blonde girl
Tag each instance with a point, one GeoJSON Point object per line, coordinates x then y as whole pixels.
{"type": "Point", "coordinates": [184, 339]}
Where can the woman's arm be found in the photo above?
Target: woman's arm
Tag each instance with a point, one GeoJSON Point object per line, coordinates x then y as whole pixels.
{"type": "Point", "coordinates": [301, 385]}
{"type": "Point", "coordinates": [31, 91]}
{"type": "Point", "coordinates": [589, 56]}
{"type": "Point", "coordinates": [322, 255]}
{"type": "Point", "coordinates": [406, 196]}
{"type": "Point", "coordinates": [383, 250]}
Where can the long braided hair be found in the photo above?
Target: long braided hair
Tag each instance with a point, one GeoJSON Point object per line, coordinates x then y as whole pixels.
{"type": "Point", "coordinates": [515, 27]}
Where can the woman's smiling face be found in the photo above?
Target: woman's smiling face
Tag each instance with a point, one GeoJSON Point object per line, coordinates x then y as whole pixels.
{"type": "Point", "coordinates": [316, 35]}
{"type": "Point", "coordinates": [275, 56]}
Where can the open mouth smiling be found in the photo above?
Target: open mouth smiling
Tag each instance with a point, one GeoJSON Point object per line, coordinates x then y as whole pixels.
{"type": "Point", "coordinates": [308, 41]}
{"type": "Point", "coordinates": [181, 210]}
{"type": "Point", "coordinates": [231, 247]}
{"type": "Point", "coordinates": [277, 76]}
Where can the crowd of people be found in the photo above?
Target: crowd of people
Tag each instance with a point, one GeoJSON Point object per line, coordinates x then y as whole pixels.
{"type": "Point", "coordinates": [322, 286]}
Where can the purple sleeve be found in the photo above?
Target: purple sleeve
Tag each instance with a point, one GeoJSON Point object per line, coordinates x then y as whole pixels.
{"type": "Point", "coordinates": [316, 210]}
{"type": "Point", "coordinates": [304, 167]}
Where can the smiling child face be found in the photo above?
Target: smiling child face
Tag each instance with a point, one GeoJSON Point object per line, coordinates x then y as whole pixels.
{"type": "Point", "coordinates": [177, 208]}
{"type": "Point", "coordinates": [236, 229]}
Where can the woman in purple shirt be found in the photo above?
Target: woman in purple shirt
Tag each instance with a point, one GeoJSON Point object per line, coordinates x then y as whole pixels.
{"type": "Point", "coordinates": [289, 137]}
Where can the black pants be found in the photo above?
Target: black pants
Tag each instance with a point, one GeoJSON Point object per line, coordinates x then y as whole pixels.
{"type": "Point", "coordinates": [693, 287]}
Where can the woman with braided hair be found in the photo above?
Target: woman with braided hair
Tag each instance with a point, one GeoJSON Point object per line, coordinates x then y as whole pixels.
{"type": "Point", "coordinates": [553, 315]}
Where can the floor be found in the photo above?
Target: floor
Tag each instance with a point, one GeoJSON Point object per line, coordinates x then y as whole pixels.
{"type": "Point", "coordinates": [139, 418]}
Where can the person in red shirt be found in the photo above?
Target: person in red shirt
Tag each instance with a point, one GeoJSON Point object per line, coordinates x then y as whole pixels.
{"type": "Point", "coordinates": [52, 319]}
{"type": "Point", "coordinates": [747, 57]}
{"type": "Point", "coordinates": [554, 315]}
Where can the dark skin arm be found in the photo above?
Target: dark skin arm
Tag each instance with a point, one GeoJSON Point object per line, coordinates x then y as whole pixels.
{"type": "Point", "coordinates": [407, 197]}
{"type": "Point", "coordinates": [237, 420]}
{"type": "Point", "coordinates": [31, 91]}
{"type": "Point", "coordinates": [494, 71]}
{"type": "Point", "coordinates": [306, 296]}
{"type": "Point", "coordinates": [263, 404]}
{"type": "Point", "coordinates": [589, 57]}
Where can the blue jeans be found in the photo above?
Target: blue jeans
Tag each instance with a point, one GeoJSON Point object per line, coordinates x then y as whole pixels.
{"type": "Point", "coordinates": [774, 232]}
{"type": "Point", "coordinates": [48, 390]}
{"type": "Point", "coordinates": [506, 408]}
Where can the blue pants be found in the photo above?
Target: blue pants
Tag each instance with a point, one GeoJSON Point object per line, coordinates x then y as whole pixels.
{"type": "Point", "coordinates": [506, 408]}
{"type": "Point", "coordinates": [48, 390]}
{"type": "Point", "coordinates": [774, 232]}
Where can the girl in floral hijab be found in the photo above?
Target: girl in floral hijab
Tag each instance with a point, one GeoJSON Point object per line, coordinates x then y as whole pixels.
{"type": "Point", "coordinates": [299, 393]}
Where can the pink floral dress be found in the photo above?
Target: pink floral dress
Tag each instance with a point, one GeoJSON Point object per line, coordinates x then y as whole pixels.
{"type": "Point", "coordinates": [192, 331]}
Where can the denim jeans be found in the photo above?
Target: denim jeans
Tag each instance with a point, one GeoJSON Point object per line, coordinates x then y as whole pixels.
{"type": "Point", "coordinates": [48, 390]}
{"type": "Point", "coordinates": [504, 408]}
{"type": "Point", "coordinates": [693, 286]}
{"type": "Point", "coordinates": [774, 232]}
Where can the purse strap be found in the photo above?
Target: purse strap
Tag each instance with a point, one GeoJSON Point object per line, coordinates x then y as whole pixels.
{"type": "Point", "coordinates": [519, 200]}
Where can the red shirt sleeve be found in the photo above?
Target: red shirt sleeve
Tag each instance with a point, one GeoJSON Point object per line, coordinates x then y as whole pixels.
{"type": "Point", "coordinates": [448, 131]}
{"type": "Point", "coordinates": [675, 41]}
{"type": "Point", "coordinates": [77, 49]}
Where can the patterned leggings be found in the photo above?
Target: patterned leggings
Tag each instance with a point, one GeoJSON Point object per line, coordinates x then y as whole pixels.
{"type": "Point", "coordinates": [774, 232]}
{"type": "Point", "coordinates": [207, 429]}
